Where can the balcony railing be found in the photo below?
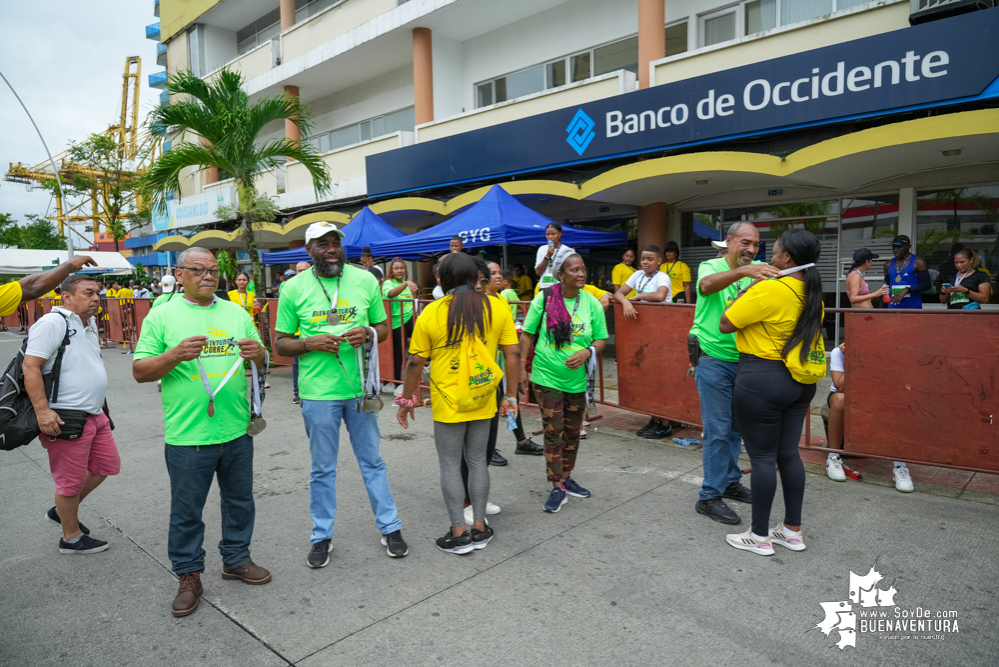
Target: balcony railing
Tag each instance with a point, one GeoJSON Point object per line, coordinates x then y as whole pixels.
{"type": "Point", "coordinates": [158, 80]}
{"type": "Point", "coordinates": [161, 55]}
{"type": "Point", "coordinates": [153, 31]}
{"type": "Point", "coordinates": [164, 98]}
{"type": "Point", "coordinates": [156, 8]}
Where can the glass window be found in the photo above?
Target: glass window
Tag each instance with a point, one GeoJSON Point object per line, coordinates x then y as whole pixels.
{"type": "Point", "coordinates": [484, 94]}
{"type": "Point", "coordinates": [555, 74]}
{"type": "Point", "coordinates": [365, 130]}
{"type": "Point", "coordinates": [676, 39]}
{"type": "Point", "coordinates": [846, 4]}
{"type": "Point", "coordinates": [619, 55]}
{"type": "Point", "coordinates": [345, 136]}
{"type": "Point", "coordinates": [719, 29]}
{"type": "Point", "coordinates": [580, 67]}
{"type": "Point", "coordinates": [793, 11]}
{"type": "Point", "coordinates": [522, 83]}
{"type": "Point", "coordinates": [947, 220]}
{"type": "Point", "coordinates": [378, 127]}
{"type": "Point", "coordinates": [403, 120]}
{"type": "Point", "coordinates": [760, 15]}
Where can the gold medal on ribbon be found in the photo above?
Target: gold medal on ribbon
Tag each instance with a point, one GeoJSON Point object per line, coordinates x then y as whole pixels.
{"type": "Point", "coordinates": [333, 318]}
{"type": "Point", "coordinates": [211, 407]}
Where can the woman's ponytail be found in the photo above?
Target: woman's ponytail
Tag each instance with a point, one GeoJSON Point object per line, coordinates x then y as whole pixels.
{"type": "Point", "coordinates": [805, 248]}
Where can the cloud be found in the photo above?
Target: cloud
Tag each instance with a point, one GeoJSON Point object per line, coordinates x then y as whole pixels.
{"type": "Point", "coordinates": [65, 58]}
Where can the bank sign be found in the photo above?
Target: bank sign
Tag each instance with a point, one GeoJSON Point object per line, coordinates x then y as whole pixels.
{"type": "Point", "coordinates": [943, 62]}
{"type": "Point", "coordinates": [194, 210]}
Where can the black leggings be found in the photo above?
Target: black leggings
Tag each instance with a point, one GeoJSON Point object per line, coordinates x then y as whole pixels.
{"type": "Point", "coordinates": [770, 407]}
{"type": "Point", "coordinates": [398, 353]}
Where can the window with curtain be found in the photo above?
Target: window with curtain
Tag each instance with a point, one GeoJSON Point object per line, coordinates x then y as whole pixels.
{"type": "Point", "coordinates": [719, 29]}
{"type": "Point", "coordinates": [760, 15]}
{"type": "Point", "coordinates": [793, 11]}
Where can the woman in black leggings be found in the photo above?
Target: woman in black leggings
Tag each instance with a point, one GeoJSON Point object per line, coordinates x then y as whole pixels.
{"type": "Point", "coordinates": [778, 332]}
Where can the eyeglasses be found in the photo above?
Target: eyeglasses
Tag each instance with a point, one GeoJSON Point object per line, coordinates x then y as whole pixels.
{"type": "Point", "coordinates": [200, 273]}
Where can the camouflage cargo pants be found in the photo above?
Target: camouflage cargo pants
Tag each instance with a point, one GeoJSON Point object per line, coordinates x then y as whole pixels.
{"type": "Point", "coordinates": [562, 416]}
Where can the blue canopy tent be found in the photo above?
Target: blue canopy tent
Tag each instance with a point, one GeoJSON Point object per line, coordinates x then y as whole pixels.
{"type": "Point", "coordinates": [366, 229]}
{"type": "Point", "coordinates": [497, 219]}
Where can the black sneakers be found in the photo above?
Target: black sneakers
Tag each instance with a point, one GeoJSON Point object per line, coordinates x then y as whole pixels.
{"type": "Point", "coordinates": [658, 430]}
{"type": "Point", "coordinates": [480, 538]}
{"type": "Point", "coordinates": [457, 545]}
{"type": "Point", "coordinates": [53, 516]}
{"type": "Point", "coordinates": [84, 545]}
{"type": "Point", "coordinates": [529, 447]}
{"type": "Point", "coordinates": [651, 424]}
{"type": "Point", "coordinates": [717, 509]}
{"type": "Point", "coordinates": [395, 546]}
{"type": "Point", "coordinates": [319, 556]}
{"type": "Point", "coordinates": [497, 459]}
{"type": "Point", "coordinates": [738, 492]}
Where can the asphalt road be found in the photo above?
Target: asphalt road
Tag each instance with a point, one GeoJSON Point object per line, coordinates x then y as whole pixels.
{"type": "Point", "coordinates": [630, 576]}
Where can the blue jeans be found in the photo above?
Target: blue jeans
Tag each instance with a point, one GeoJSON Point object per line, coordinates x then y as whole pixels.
{"type": "Point", "coordinates": [294, 375]}
{"type": "Point", "coordinates": [722, 442]}
{"type": "Point", "coordinates": [322, 424]}
{"type": "Point", "coordinates": [191, 471]}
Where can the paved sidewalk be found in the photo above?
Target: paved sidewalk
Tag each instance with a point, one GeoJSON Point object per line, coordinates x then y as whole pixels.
{"type": "Point", "coordinates": [631, 576]}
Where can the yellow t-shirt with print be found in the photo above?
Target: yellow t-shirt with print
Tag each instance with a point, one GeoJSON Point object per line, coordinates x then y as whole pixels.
{"type": "Point", "coordinates": [679, 273]}
{"type": "Point", "coordinates": [244, 300]}
{"type": "Point", "coordinates": [10, 298]}
{"type": "Point", "coordinates": [111, 293]}
{"type": "Point", "coordinates": [429, 338]}
{"type": "Point", "coordinates": [620, 275]}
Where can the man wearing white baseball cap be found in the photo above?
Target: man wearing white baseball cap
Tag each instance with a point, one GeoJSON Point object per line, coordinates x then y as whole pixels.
{"type": "Point", "coordinates": [169, 287]}
{"type": "Point", "coordinates": [337, 310]}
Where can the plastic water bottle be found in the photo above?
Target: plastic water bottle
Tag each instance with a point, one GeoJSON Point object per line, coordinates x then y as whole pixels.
{"type": "Point", "coordinates": [511, 421]}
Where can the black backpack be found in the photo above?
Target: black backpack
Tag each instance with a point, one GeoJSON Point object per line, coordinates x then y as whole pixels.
{"type": "Point", "coordinates": [18, 425]}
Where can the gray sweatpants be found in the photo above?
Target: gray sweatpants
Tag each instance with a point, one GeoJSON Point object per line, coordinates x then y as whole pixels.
{"type": "Point", "coordinates": [470, 438]}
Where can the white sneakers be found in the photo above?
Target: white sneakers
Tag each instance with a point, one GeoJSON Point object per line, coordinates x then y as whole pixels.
{"type": "Point", "coordinates": [779, 534]}
{"type": "Point", "coordinates": [834, 469]}
{"type": "Point", "coordinates": [747, 542]}
{"type": "Point", "coordinates": [903, 482]}
{"type": "Point", "coordinates": [490, 509]}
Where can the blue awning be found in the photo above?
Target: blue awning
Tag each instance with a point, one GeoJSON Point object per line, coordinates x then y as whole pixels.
{"type": "Point", "coordinates": [366, 229]}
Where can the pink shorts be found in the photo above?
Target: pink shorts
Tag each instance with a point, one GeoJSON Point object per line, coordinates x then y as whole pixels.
{"type": "Point", "coordinates": [93, 452]}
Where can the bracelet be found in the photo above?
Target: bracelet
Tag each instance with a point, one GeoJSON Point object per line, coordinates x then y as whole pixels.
{"type": "Point", "coordinates": [407, 402]}
{"type": "Point", "coordinates": [512, 400]}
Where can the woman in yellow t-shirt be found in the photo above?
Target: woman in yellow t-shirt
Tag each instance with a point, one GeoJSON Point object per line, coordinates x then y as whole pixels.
{"type": "Point", "coordinates": [678, 272]}
{"type": "Point", "coordinates": [621, 272]}
{"type": "Point", "coordinates": [438, 335]}
{"type": "Point", "coordinates": [778, 328]}
{"type": "Point", "coordinates": [242, 295]}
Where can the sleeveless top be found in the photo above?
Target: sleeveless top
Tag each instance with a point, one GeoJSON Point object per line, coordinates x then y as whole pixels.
{"type": "Point", "coordinates": [906, 278]}
{"type": "Point", "coordinates": [865, 289]}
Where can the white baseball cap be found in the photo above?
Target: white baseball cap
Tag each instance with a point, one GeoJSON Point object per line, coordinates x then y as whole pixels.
{"type": "Point", "coordinates": [168, 283]}
{"type": "Point", "coordinates": [721, 245]}
{"type": "Point", "coordinates": [322, 228]}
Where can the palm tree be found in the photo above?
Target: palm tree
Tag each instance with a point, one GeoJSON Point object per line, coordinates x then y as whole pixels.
{"type": "Point", "coordinates": [220, 113]}
{"type": "Point", "coordinates": [795, 210]}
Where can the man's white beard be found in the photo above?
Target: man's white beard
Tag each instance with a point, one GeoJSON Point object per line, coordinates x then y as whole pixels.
{"type": "Point", "coordinates": [327, 270]}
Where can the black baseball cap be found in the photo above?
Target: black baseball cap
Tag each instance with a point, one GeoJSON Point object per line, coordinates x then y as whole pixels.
{"type": "Point", "coordinates": [901, 239]}
{"type": "Point", "coordinates": [862, 255]}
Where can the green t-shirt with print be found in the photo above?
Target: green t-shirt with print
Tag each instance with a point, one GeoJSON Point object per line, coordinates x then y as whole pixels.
{"type": "Point", "coordinates": [588, 325]}
{"type": "Point", "coordinates": [167, 297]}
{"type": "Point", "coordinates": [303, 308]}
{"type": "Point", "coordinates": [185, 401]}
{"type": "Point", "coordinates": [399, 310]}
{"type": "Point", "coordinates": [510, 297]}
{"type": "Point", "coordinates": [707, 316]}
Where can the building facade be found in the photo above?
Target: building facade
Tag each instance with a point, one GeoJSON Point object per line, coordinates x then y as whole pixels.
{"type": "Point", "coordinates": [860, 120]}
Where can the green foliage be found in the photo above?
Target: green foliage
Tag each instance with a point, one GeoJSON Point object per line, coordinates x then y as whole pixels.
{"type": "Point", "coordinates": [793, 210]}
{"type": "Point", "coordinates": [40, 234]}
{"type": "Point", "coordinates": [140, 274]}
{"type": "Point", "coordinates": [260, 208]}
{"type": "Point", "coordinates": [10, 232]}
{"type": "Point", "coordinates": [929, 239]}
{"type": "Point", "coordinates": [227, 265]}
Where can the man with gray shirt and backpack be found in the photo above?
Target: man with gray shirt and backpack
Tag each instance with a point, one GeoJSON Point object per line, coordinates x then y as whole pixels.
{"type": "Point", "coordinates": [76, 430]}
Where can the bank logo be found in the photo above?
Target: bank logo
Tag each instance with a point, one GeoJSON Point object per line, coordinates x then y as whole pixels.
{"type": "Point", "coordinates": [879, 615]}
{"type": "Point", "coordinates": [580, 132]}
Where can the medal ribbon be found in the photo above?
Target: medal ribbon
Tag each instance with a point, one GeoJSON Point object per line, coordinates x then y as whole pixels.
{"type": "Point", "coordinates": [256, 408]}
{"type": "Point", "coordinates": [208, 387]}
{"type": "Point", "coordinates": [336, 294]}
{"type": "Point", "coordinates": [367, 358]}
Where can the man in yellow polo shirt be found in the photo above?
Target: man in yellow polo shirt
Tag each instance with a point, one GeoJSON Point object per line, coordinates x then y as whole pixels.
{"type": "Point", "coordinates": [33, 287]}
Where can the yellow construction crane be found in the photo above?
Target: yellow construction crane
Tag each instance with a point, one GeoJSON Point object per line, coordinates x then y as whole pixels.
{"type": "Point", "coordinates": [141, 150]}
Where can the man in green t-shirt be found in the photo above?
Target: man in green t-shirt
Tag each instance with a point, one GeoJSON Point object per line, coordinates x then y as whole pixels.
{"type": "Point", "coordinates": [319, 311]}
{"type": "Point", "coordinates": [718, 283]}
{"type": "Point", "coordinates": [197, 344]}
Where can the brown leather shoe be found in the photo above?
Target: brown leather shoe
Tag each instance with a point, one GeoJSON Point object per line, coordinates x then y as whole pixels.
{"type": "Point", "coordinates": [188, 595]}
{"type": "Point", "coordinates": [249, 572]}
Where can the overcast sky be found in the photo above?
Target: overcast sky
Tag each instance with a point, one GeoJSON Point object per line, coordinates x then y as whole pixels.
{"type": "Point", "coordinates": [65, 58]}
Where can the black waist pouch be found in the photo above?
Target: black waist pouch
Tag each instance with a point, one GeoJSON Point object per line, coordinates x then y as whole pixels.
{"type": "Point", "coordinates": [693, 349]}
{"type": "Point", "coordinates": [75, 421]}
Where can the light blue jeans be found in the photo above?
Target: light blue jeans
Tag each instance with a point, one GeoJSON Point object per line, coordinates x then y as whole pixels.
{"type": "Point", "coordinates": [722, 441]}
{"type": "Point", "coordinates": [322, 424]}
